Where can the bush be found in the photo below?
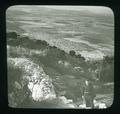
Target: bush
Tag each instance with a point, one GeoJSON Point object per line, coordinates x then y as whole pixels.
{"type": "Point", "coordinates": [80, 57]}
{"type": "Point", "coordinates": [107, 71]}
{"type": "Point", "coordinates": [72, 53]}
{"type": "Point", "coordinates": [12, 35]}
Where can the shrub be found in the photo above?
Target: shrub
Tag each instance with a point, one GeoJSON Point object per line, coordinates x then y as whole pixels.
{"type": "Point", "coordinates": [72, 53]}
{"type": "Point", "coordinates": [12, 35]}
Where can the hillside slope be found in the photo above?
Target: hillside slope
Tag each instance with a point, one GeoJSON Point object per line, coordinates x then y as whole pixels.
{"type": "Point", "coordinates": [65, 72]}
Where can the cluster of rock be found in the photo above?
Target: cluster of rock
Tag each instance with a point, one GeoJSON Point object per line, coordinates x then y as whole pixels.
{"type": "Point", "coordinates": [37, 81]}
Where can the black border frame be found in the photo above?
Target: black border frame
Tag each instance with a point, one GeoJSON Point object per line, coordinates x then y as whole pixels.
{"type": "Point", "coordinates": [3, 63]}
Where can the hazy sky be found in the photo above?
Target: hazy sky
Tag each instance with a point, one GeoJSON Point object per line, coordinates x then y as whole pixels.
{"type": "Point", "coordinates": [95, 9]}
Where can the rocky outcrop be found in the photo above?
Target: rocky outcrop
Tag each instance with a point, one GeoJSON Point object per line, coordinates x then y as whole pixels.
{"type": "Point", "coordinates": [39, 84]}
{"type": "Point", "coordinates": [34, 66]}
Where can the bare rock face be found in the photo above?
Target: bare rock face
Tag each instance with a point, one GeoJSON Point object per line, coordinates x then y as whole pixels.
{"type": "Point", "coordinates": [33, 79]}
{"type": "Point", "coordinates": [35, 85]}
{"type": "Point", "coordinates": [42, 90]}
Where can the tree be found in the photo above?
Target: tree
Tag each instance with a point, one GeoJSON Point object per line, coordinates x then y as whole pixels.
{"type": "Point", "coordinates": [72, 53]}
{"type": "Point", "coordinates": [12, 35]}
{"type": "Point", "coordinates": [80, 57]}
{"type": "Point", "coordinates": [44, 43]}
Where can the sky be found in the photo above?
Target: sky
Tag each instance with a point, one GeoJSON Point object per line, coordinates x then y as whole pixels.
{"type": "Point", "coordinates": [94, 9]}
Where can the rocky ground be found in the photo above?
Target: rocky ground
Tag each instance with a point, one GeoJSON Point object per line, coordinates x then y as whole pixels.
{"type": "Point", "coordinates": [36, 79]}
